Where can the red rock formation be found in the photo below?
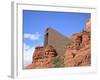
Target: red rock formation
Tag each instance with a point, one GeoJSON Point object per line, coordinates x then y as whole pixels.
{"type": "Point", "coordinates": [77, 40]}
{"type": "Point", "coordinates": [88, 25]}
{"type": "Point", "coordinates": [38, 54]}
{"type": "Point", "coordinates": [79, 53]}
{"type": "Point", "coordinates": [86, 38]}
{"type": "Point", "coordinates": [83, 57]}
{"type": "Point", "coordinates": [43, 57]}
{"type": "Point", "coordinates": [68, 60]}
{"type": "Point", "coordinates": [50, 51]}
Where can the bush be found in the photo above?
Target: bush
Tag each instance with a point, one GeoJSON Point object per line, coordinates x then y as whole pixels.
{"type": "Point", "coordinates": [58, 61]}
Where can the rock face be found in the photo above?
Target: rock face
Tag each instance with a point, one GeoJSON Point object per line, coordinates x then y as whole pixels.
{"type": "Point", "coordinates": [78, 53]}
{"type": "Point", "coordinates": [88, 25]}
{"type": "Point", "coordinates": [43, 57]}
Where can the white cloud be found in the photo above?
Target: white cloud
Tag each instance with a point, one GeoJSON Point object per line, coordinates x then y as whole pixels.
{"type": "Point", "coordinates": [35, 36]}
{"type": "Point", "coordinates": [26, 46]}
{"type": "Point", "coordinates": [28, 52]}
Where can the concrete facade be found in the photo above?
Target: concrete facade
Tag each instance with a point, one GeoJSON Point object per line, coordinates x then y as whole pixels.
{"type": "Point", "coordinates": [56, 39]}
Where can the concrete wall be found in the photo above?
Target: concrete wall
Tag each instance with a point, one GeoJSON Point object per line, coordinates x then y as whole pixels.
{"type": "Point", "coordinates": [56, 39]}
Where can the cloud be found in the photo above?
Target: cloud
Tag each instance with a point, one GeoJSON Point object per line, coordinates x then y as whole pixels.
{"type": "Point", "coordinates": [35, 36]}
{"type": "Point", "coordinates": [28, 52]}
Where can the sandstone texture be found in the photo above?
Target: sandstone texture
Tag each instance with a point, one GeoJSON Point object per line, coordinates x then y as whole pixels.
{"type": "Point", "coordinates": [78, 53]}
{"type": "Point", "coordinates": [43, 57]}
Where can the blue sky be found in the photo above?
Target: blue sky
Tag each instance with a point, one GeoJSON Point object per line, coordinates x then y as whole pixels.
{"type": "Point", "coordinates": [35, 23]}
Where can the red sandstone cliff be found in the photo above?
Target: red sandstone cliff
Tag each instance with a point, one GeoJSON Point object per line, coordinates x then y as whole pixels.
{"type": "Point", "coordinates": [43, 57]}
{"type": "Point", "coordinates": [78, 53]}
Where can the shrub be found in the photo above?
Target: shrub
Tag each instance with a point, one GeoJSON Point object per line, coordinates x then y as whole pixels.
{"type": "Point", "coordinates": [58, 61]}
